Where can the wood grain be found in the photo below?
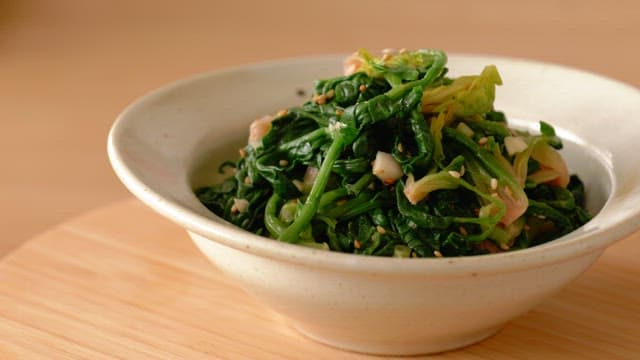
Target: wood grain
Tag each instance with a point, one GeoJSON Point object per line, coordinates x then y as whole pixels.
{"type": "Point", "coordinates": [122, 282]}
{"type": "Point", "coordinates": [68, 67]}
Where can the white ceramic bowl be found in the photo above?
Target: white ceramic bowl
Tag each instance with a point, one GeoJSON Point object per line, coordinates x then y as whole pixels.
{"type": "Point", "coordinates": [159, 144]}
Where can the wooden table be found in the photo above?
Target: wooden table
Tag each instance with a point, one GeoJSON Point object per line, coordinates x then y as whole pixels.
{"type": "Point", "coordinates": [122, 282]}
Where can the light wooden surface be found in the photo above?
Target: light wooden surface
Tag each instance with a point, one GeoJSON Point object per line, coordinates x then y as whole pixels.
{"type": "Point", "coordinates": [68, 67]}
{"type": "Point", "coordinates": [122, 282]}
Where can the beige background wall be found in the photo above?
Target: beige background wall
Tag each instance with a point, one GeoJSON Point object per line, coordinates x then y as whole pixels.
{"type": "Point", "coordinates": [68, 67]}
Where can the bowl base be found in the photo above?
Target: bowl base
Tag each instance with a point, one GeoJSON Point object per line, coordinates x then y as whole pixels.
{"type": "Point", "coordinates": [410, 348]}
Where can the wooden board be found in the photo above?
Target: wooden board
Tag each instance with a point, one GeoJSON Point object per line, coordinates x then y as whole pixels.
{"type": "Point", "coordinates": [122, 282]}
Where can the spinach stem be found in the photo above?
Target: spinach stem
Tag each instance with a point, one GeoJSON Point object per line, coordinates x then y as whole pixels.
{"type": "Point", "coordinates": [351, 189]}
{"type": "Point", "coordinates": [292, 233]}
{"type": "Point", "coordinates": [271, 221]}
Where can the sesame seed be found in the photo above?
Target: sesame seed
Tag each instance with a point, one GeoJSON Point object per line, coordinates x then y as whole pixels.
{"type": "Point", "coordinates": [339, 112]}
{"type": "Point", "coordinates": [381, 230]}
{"type": "Point", "coordinates": [362, 87]}
{"type": "Point", "coordinates": [483, 140]}
{"type": "Point", "coordinates": [388, 51]}
{"type": "Point", "coordinates": [463, 231]}
{"type": "Point", "coordinates": [400, 147]}
{"type": "Point", "coordinates": [541, 217]}
{"type": "Point", "coordinates": [504, 246]}
{"type": "Point", "coordinates": [242, 152]}
{"type": "Point", "coordinates": [494, 183]}
{"type": "Point", "coordinates": [283, 162]}
{"type": "Point", "coordinates": [330, 94]}
{"type": "Point", "coordinates": [320, 99]}
{"type": "Point", "coordinates": [403, 51]}
{"type": "Point", "coordinates": [341, 202]}
{"type": "Point", "coordinates": [386, 57]}
{"type": "Point", "coordinates": [282, 112]}
{"type": "Point", "coordinates": [454, 174]}
{"type": "Point", "coordinates": [356, 244]}
{"type": "Point", "coordinates": [247, 180]}
{"type": "Point", "coordinates": [437, 253]}
{"type": "Point", "coordinates": [462, 170]}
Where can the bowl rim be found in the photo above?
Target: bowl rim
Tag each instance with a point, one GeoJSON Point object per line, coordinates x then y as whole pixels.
{"type": "Point", "coordinates": [558, 250]}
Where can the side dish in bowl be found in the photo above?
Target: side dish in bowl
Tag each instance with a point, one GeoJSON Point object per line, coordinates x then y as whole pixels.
{"type": "Point", "coordinates": [395, 158]}
{"type": "Point", "coordinates": [168, 145]}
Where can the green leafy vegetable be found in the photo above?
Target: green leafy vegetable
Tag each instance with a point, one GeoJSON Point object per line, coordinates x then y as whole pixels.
{"type": "Point", "coordinates": [397, 159]}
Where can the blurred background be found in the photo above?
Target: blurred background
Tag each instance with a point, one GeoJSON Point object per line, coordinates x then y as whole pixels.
{"type": "Point", "coordinates": [68, 67]}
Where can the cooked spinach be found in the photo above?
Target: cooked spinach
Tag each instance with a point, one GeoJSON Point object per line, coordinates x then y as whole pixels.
{"type": "Point", "coordinates": [397, 159]}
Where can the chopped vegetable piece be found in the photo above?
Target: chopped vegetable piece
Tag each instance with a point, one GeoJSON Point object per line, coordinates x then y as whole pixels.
{"type": "Point", "coordinates": [386, 168]}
